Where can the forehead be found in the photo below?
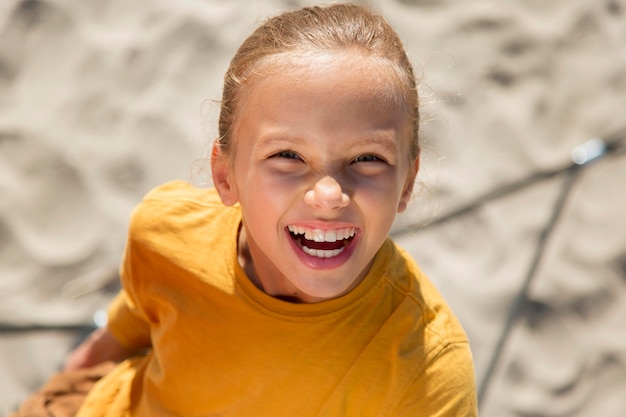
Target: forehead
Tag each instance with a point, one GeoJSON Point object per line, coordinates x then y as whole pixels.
{"type": "Point", "coordinates": [335, 96]}
{"type": "Point", "coordinates": [371, 78]}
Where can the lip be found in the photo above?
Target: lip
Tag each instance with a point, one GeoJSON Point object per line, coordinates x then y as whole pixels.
{"type": "Point", "coordinates": [324, 225]}
{"type": "Point", "coordinates": [314, 262]}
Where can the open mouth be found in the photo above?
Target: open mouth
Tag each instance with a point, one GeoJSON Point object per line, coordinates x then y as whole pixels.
{"type": "Point", "coordinates": [322, 243]}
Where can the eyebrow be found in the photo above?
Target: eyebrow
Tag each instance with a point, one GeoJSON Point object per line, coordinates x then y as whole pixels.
{"type": "Point", "coordinates": [379, 138]}
{"type": "Point", "coordinates": [278, 138]}
{"type": "Point", "coordinates": [383, 140]}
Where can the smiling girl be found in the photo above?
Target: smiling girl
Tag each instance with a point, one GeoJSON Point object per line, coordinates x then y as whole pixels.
{"type": "Point", "coordinates": [322, 144]}
{"type": "Point", "coordinates": [279, 292]}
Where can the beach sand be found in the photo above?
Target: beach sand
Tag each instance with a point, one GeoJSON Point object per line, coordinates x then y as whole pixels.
{"type": "Point", "coordinates": [102, 100]}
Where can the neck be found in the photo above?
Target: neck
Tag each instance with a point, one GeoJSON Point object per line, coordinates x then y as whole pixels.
{"type": "Point", "coordinates": [274, 286]}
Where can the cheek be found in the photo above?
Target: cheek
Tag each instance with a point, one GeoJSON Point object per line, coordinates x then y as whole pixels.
{"type": "Point", "coordinates": [381, 189]}
{"type": "Point", "coordinates": [264, 202]}
{"type": "Point", "coordinates": [280, 188]}
{"type": "Point", "coordinates": [387, 198]}
{"type": "Point", "coordinates": [378, 206]}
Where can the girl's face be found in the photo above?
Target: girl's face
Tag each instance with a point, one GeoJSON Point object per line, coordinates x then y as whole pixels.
{"type": "Point", "coordinates": [320, 167]}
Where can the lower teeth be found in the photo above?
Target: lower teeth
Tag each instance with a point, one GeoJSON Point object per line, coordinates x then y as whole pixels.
{"type": "Point", "coordinates": [319, 253]}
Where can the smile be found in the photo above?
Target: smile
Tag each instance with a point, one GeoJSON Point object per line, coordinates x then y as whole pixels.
{"type": "Point", "coordinates": [322, 243]}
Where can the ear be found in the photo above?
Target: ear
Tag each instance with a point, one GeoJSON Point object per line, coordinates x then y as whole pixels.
{"type": "Point", "coordinates": [222, 177]}
{"type": "Point", "coordinates": [407, 191]}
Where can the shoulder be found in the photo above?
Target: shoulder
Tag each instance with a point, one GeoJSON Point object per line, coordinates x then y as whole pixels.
{"type": "Point", "coordinates": [180, 210]}
{"type": "Point", "coordinates": [434, 326]}
{"type": "Point", "coordinates": [421, 295]}
{"type": "Point", "coordinates": [446, 387]}
{"type": "Point", "coordinates": [182, 192]}
{"type": "Point", "coordinates": [178, 199]}
{"type": "Point", "coordinates": [444, 375]}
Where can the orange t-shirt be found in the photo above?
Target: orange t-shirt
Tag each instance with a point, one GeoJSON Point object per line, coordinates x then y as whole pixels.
{"type": "Point", "coordinates": [222, 347]}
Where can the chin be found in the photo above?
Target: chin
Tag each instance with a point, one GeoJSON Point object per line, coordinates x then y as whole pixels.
{"type": "Point", "coordinates": [324, 292]}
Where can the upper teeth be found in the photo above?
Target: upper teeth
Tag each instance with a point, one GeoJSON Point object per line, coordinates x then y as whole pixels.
{"type": "Point", "coordinates": [319, 235]}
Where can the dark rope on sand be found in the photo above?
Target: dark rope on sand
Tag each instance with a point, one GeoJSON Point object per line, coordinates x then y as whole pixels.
{"type": "Point", "coordinates": [582, 156]}
{"type": "Point", "coordinates": [31, 328]}
{"type": "Point", "coordinates": [521, 300]}
{"type": "Point", "coordinates": [612, 145]}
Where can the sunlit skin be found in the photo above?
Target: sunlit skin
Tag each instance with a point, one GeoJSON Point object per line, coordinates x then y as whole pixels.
{"type": "Point", "coordinates": [322, 147]}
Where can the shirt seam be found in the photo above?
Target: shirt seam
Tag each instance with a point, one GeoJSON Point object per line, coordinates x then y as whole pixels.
{"type": "Point", "coordinates": [437, 351]}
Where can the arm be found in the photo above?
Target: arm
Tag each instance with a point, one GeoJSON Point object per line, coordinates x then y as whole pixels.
{"type": "Point", "coordinates": [126, 334]}
{"type": "Point", "coordinates": [100, 346]}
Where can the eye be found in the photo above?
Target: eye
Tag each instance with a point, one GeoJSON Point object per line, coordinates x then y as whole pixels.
{"type": "Point", "coordinates": [286, 155]}
{"type": "Point", "coordinates": [368, 158]}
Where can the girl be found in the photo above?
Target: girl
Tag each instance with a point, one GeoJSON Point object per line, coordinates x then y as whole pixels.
{"type": "Point", "coordinates": [279, 293]}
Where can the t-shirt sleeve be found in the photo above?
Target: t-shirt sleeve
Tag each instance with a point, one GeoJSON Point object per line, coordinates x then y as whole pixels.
{"type": "Point", "coordinates": [126, 318]}
{"type": "Point", "coordinates": [126, 324]}
{"type": "Point", "coordinates": [445, 388]}
{"type": "Point", "coordinates": [131, 313]}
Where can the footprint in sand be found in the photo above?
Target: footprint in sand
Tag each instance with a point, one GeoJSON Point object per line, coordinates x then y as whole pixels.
{"type": "Point", "coordinates": [44, 201]}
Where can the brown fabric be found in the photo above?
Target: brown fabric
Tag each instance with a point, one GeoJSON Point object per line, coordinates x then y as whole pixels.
{"type": "Point", "coordinates": [64, 393]}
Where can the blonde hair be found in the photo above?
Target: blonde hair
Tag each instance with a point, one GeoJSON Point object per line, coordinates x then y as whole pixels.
{"type": "Point", "coordinates": [318, 28]}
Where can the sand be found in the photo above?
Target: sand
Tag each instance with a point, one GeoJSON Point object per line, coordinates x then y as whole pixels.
{"type": "Point", "coordinates": [102, 100]}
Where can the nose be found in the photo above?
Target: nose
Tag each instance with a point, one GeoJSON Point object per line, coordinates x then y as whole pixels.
{"type": "Point", "coordinates": [327, 194]}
